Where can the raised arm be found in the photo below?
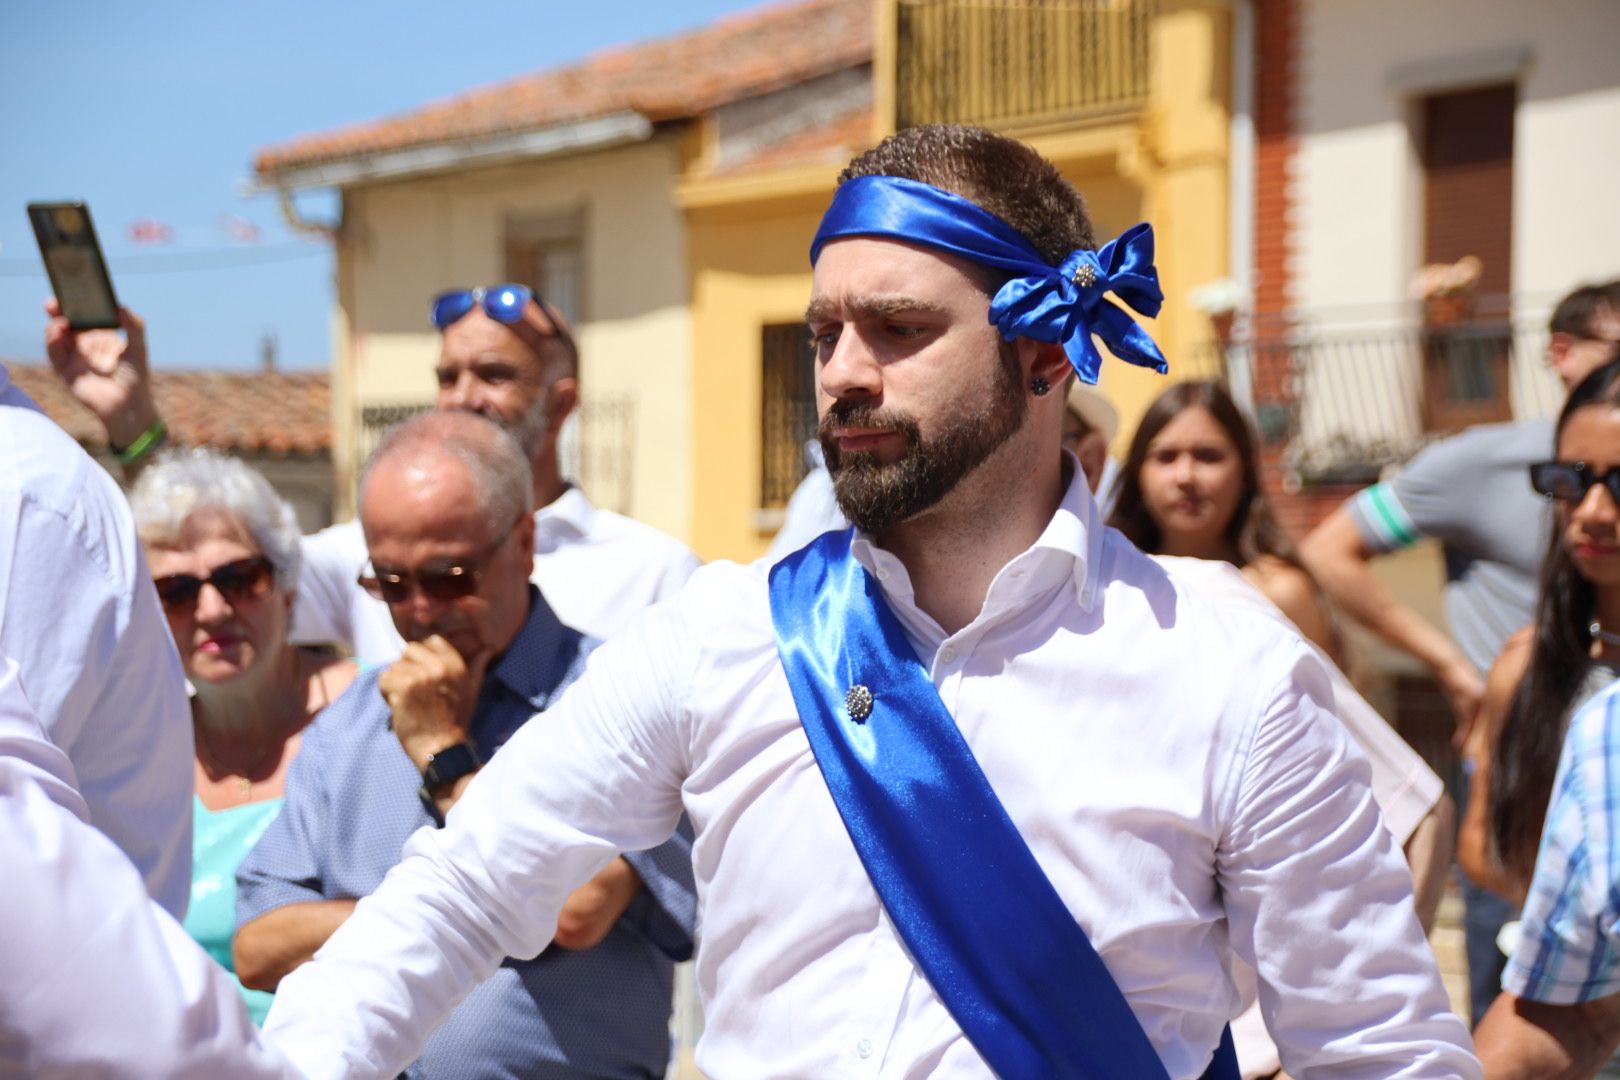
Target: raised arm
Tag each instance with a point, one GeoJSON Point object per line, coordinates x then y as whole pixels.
{"type": "Point", "coordinates": [107, 371]}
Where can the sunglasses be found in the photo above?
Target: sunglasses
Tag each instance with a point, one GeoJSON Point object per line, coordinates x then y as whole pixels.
{"type": "Point", "coordinates": [238, 582]}
{"type": "Point", "coordinates": [503, 303]}
{"type": "Point", "coordinates": [451, 581]}
{"type": "Point", "coordinates": [1570, 481]}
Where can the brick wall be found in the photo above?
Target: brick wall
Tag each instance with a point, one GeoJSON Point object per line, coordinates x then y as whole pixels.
{"type": "Point", "coordinates": [1277, 79]}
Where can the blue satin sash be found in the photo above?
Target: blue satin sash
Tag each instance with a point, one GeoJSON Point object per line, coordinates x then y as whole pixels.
{"type": "Point", "coordinates": [964, 891]}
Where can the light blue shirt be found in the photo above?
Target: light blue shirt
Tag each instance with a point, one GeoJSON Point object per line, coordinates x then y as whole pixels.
{"type": "Point", "coordinates": [1569, 943]}
{"type": "Point", "coordinates": [351, 804]}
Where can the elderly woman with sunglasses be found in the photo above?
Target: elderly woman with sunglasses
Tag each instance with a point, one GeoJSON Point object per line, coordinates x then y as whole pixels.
{"type": "Point", "coordinates": [223, 549]}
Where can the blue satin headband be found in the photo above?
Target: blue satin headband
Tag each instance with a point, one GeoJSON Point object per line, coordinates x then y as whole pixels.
{"type": "Point", "coordinates": [1055, 304]}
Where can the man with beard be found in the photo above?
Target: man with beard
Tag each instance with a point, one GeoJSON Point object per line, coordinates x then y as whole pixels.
{"type": "Point", "coordinates": [445, 506]}
{"type": "Point", "coordinates": [976, 787]}
{"type": "Point", "coordinates": [506, 355]}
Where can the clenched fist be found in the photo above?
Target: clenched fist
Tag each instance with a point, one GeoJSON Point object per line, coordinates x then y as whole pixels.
{"type": "Point", "coordinates": [431, 691]}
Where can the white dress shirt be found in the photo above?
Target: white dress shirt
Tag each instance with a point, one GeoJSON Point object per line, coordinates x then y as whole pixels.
{"type": "Point", "coordinates": [96, 979]}
{"type": "Point", "coordinates": [79, 615]}
{"type": "Point", "coordinates": [1173, 766]}
{"type": "Point", "coordinates": [596, 569]}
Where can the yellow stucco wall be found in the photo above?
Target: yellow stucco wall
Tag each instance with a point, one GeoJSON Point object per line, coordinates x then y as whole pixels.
{"type": "Point", "coordinates": [408, 240]}
{"type": "Point", "coordinates": [748, 245]}
{"type": "Point", "coordinates": [750, 268]}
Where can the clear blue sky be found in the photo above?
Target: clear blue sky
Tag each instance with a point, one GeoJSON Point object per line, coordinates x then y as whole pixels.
{"type": "Point", "coordinates": [154, 110]}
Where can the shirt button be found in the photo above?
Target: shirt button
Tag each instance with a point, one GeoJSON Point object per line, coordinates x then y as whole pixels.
{"type": "Point", "coordinates": [864, 1048]}
{"type": "Point", "coordinates": [883, 575]}
{"type": "Point", "coordinates": [947, 654]}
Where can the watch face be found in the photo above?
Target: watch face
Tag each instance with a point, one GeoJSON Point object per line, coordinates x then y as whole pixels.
{"type": "Point", "coordinates": [451, 764]}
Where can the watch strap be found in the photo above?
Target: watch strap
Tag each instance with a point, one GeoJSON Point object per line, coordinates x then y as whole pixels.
{"type": "Point", "coordinates": [451, 764]}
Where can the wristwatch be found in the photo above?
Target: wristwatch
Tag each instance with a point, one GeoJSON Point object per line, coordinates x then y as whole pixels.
{"type": "Point", "coordinates": [446, 767]}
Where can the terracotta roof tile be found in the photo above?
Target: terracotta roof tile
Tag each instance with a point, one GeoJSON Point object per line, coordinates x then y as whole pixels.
{"type": "Point", "coordinates": [671, 78]}
{"type": "Point", "coordinates": [277, 413]}
{"type": "Point", "coordinates": [831, 143]}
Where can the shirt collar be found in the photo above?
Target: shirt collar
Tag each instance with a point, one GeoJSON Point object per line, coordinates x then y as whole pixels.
{"type": "Point", "coordinates": [569, 514]}
{"type": "Point", "coordinates": [1070, 546]}
{"type": "Point", "coordinates": [535, 662]}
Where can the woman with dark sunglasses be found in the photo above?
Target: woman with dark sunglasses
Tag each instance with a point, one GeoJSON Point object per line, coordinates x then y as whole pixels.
{"type": "Point", "coordinates": [224, 553]}
{"type": "Point", "coordinates": [1549, 669]}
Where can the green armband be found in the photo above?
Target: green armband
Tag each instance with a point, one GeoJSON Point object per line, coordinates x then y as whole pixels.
{"type": "Point", "coordinates": [146, 442]}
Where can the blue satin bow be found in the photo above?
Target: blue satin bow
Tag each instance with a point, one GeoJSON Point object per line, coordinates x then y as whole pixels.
{"type": "Point", "coordinates": [1059, 305]}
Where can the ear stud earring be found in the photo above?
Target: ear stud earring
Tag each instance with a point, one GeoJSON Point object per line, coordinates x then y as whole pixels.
{"type": "Point", "coordinates": [1039, 386]}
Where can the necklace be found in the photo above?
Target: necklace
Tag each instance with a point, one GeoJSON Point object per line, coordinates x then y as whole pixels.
{"type": "Point", "coordinates": [1608, 637]}
{"type": "Point", "coordinates": [244, 775]}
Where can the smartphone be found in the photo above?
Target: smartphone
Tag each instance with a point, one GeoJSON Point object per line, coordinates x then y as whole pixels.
{"type": "Point", "coordinates": [67, 243]}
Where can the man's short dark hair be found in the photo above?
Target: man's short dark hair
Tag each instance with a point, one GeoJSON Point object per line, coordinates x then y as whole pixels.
{"type": "Point", "coordinates": [1001, 175]}
{"type": "Point", "coordinates": [1576, 312]}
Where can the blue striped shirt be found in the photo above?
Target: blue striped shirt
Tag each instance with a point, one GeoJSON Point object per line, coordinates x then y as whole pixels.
{"type": "Point", "coordinates": [1569, 948]}
{"type": "Point", "coordinates": [352, 802]}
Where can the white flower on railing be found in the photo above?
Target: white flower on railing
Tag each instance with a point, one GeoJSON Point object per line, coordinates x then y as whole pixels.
{"type": "Point", "coordinates": [1221, 297]}
{"type": "Point", "coordinates": [1446, 279]}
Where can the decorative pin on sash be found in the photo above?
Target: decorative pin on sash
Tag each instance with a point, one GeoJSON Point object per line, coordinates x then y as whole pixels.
{"type": "Point", "coordinates": [858, 703]}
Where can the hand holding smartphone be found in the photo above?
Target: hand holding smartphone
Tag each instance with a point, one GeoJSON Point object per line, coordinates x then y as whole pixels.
{"type": "Point", "coordinates": [73, 259]}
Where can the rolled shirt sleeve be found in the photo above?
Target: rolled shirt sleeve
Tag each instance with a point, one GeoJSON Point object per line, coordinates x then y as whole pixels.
{"type": "Point", "coordinates": [1305, 851]}
{"type": "Point", "coordinates": [1433, 495]}
{"type": "Point", "coordinates": [1569, 943]}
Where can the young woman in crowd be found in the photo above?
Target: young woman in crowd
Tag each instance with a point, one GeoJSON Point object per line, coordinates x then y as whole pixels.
{"type": "Point", "coordinates": [1549, 669]}
{"type": "Point", "coordinates": [223, 549]}
{"type": "Point", "coordinates": [1190, 486]}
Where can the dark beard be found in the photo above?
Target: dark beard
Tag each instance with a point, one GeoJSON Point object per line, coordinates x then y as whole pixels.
{"type": "Point", "coordinates": [877, 496]}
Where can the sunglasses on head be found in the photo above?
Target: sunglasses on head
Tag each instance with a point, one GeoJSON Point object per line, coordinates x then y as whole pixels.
{"type": "Point", "coordinates": [238, 582]}
{"type": "Point", "coordinates": [503, 303]}
{"type": "Point", "coordinates": [451, 581]}
{"type": "Point", "coordinates": [1570, 481]}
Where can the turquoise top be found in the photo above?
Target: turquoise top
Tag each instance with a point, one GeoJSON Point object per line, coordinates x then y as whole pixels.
{"type": "Point", "coordinates": [220, 840]}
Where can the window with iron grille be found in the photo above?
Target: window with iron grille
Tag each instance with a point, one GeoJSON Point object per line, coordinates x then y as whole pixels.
{"type": "Point", "coordinates": [546, 254]}
{"type": "Point", "coordinates": [787, 410]}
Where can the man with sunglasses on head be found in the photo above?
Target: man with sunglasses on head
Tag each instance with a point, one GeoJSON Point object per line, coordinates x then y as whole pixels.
{"type": "Point", "coordinates": [445, 509]}
{"type": "Point", "coordinates": [509, 356]}
{"type": "Point", "coordinates": [505, 354]}
{"type": "Point", "coordinates": [1471, 493]}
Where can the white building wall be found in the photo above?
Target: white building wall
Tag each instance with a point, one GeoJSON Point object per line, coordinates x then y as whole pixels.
{"type": "Point", "coordinates": [413, 239]}
{"type": "Point", "coordinates": [1358, 232]}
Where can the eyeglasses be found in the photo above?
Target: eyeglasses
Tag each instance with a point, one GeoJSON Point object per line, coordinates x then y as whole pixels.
{"type": "Point", "coordinates": [238, 582]}
{"type": "Point", "coordinates": [503, 303]}
{"type": "Point", "coordinates": [451, 581]}
{"type": "Point", "coordinates": [1570, 481]}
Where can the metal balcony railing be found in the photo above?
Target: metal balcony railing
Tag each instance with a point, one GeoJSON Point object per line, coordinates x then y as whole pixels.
{"type": "Point", "coordinates": [1350, 403]}
{"type": "Point", "coordinates": [1020, 63]}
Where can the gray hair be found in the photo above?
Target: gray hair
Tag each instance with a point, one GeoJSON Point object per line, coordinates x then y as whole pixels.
{"type": "Point", "coordinates": [501, 473]}
{"type": "Point", "coordinates": [184, 482]}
